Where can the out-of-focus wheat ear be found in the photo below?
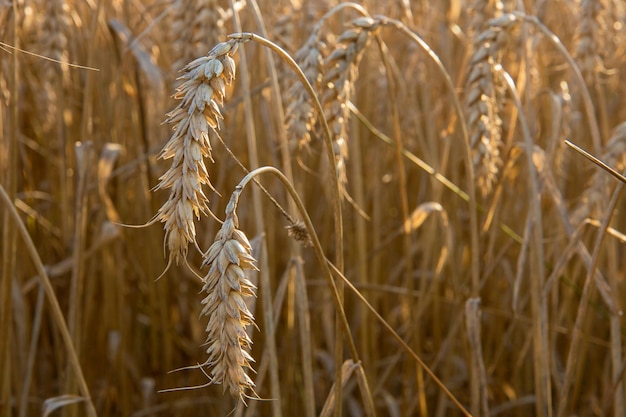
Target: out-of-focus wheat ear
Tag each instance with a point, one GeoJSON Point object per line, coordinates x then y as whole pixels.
{"type": "Point", "coordinates": [341, 73]}
{"type": "Point", "coordinates": [598, 192]}
{"type": "Point", "coordinates": [300, 114]}
{"type": "Point", "coordinates": [483, 106]}
{"type": "Point", "coordinates": [52, 42]}
{"type": "Point", "coordinates": [587, 35]}
{"type": "Point", "coordinates": [226, 287]}
{"type": "Point", "coordinates": [196, 24]}
{"type": "Point", "coordinates": [194, 121]}
{"type": "Point", "coordinates": [481, 11]}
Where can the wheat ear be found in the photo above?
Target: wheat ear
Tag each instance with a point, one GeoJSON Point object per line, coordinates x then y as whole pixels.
{"type": "Point", "coordinates": [341, 73]}
{"type": "Point", "coordinates": [195, 120]}
{"type": "Point", "coordinates": [300, 114]}
{"type": "Point", "coordinates": [227, 287]}
{"type": "Point", "coordinates": [588, 38]}
{"type": "Point", "coordinates": [196, 24]}
{"type": "Point", "coordinates": [483, 105]}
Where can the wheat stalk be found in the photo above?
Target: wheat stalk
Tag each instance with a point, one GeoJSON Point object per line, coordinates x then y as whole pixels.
{"type": "Point", "coordinates": [195, 120]}
{"type": "Point", "coordinates": [598, 190]}
{"type": "Point", "coordinates": [227, 287]}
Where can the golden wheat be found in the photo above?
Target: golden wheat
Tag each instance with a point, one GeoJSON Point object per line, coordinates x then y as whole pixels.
{"type": "Point", "coordinates": [338, 83]}
{"type": "Point", "coordinates": [195, 121]}
{"type": "Point", "coordinates": [483, 105]}
{"type": "Point", "coordinates": [227, 287]}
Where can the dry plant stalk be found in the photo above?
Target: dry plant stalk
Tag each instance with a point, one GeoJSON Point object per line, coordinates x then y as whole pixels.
{"type": "Point", "coordinates": [600, 185]}
{"type": "Point", "coordinates": [341, 73]}
{"type": "Point", "coordinates": [195, 120]}
{"type": "Point", "coordinates": [483, 105]}
{"type": "Point", "coordinates": [227, 287]}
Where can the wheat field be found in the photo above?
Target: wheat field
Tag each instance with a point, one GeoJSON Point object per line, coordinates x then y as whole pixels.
{"type": "Point", "coordinates": [312, 208]}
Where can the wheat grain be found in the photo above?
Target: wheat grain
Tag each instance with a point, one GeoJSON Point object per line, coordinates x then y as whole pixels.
{"type": "Point", "coordinates": [195, 120]}
{"type": "Point", "coordinates": [227, 286]}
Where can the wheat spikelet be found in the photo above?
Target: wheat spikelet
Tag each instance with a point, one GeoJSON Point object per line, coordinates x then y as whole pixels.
{"type": "Point", "coordinates": [588, 39]}
{"type": "Point", "coordinates": [481, 11]}
{"type": "Point", "coordinates": [227, 287]}
{"type": "Point", "coordinates": [341, 72]}
{"type": "Point", "coordinates": [483, 106]}
{"type": "Point", "coordinates": [300, 115]}
{"type": "Point", "coordinates": [53, 43]}
{"type": "Point", "coordinates": [597, 193]}
{"type": "Point", "coordinates": [196, 25]}
{"type": "Point", "coordinates": [195, 120]}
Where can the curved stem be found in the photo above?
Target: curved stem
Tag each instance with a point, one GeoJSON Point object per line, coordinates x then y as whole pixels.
{"type": "Point", "coordinates": [317, 245]}
{"type": "Point", "coordinates": [589, 108]}
{"type": "Point", "coordinates": [329, 269]}
{"type": "Point", "coordinates": [246, 36]}
{"type": "Point", "coordinates": [471, 188]}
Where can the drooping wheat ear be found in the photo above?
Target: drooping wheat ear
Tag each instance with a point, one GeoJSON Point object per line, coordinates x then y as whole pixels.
{"type": "Point", "coordinates": [227, 287]}
{"type": "Point", "coordinates": [588, 46]}
{"type": "Point", "coordinates": [483, 105]}
{"type": "Point", "coordinates": [196, 25]}
{"type": "Point", "coordinates": [300, 115]}
{"type": "Point", "coordinates": [341, 73]}
{"type": "Point", "coordinates": [598, 191]}
{"type": "Point", "coordinates": [195, 120]}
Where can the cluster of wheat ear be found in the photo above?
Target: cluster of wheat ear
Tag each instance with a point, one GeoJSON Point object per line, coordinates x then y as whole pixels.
{"type": "Point", "coordinates": [195, 121]}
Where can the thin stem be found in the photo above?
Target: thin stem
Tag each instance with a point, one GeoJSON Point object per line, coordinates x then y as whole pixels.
{"type": "Point", "coordinates": [577, 337]}
{"type": "Point", "coordinates": [537, 270]}
{"type": "Point", "coordinates": [471, 187]}
{"type": "Point", "coordinates": [266, 293]}
{"type": "Point", "coordinates": [588, 102]}
{"type": "Point", "coordinates": [329, 269]}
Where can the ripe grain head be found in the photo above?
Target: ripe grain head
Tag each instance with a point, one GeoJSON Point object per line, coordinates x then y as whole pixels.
{"type": "Point", "coordinates": [195, 120]}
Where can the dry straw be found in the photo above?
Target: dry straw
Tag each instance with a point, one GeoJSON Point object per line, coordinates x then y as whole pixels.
{"type": "Point", "coordinates": [195, 121]}
{"type": "Point", "coordinates": [227, 287]}
{"type": "Point", "coordinates": [597, 193]}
